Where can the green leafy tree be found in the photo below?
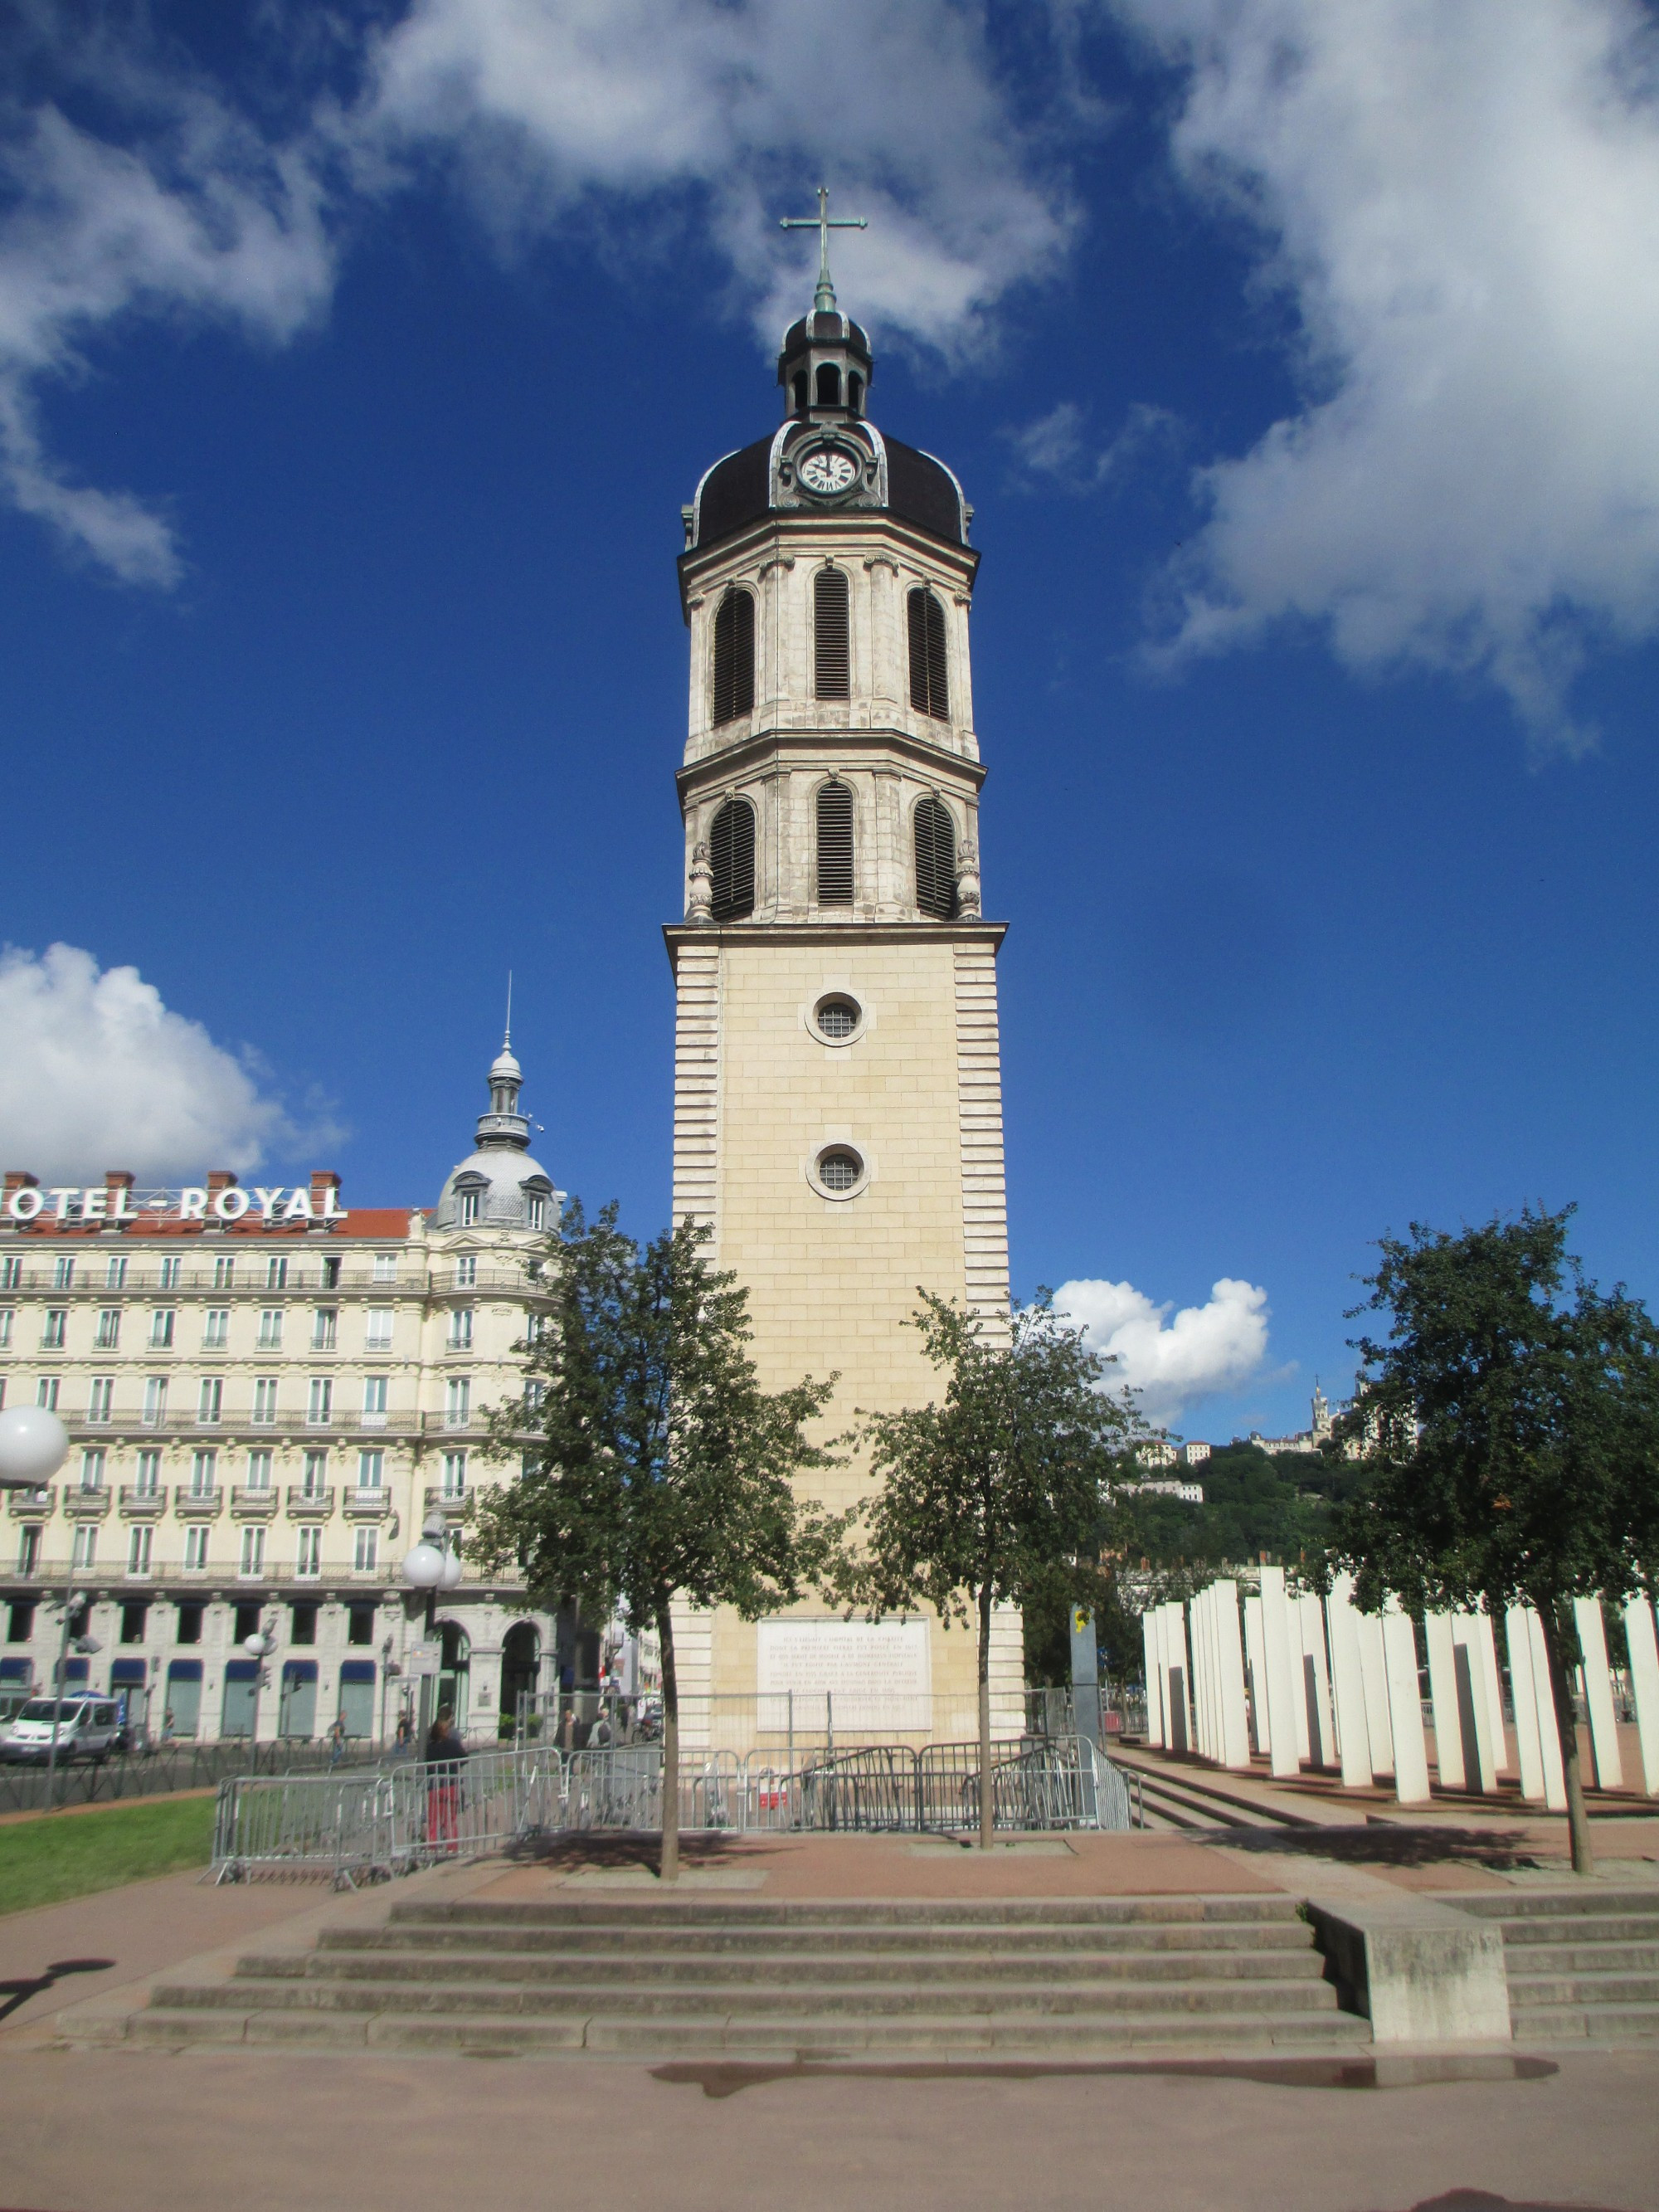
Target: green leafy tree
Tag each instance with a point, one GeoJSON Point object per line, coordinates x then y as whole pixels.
{"type": "Point", "coordinates": [1509, 1427]}
{"type": "Point", "coordinates": [995, 1493]}
{"type": "Point", "coordinates": [661, 1469]}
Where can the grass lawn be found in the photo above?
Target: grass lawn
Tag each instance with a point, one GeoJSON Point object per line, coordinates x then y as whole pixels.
{"type": "Point", "coordinates": [62, 1855]}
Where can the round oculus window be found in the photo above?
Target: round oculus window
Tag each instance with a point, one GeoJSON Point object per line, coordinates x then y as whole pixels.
{"type": "Point", "coordinates": [837, 1018]}
{"type": "Point", "coordinates": [839, 1169]}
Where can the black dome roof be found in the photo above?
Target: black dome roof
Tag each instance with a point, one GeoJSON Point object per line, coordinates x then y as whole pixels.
{"type": "Point", "coordinates": [736, 492]}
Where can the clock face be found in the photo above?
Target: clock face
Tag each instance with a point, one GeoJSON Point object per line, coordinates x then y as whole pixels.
{"type": "Point", "coordinates": [828, 469]}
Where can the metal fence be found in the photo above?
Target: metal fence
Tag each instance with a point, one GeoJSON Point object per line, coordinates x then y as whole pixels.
{"type": "Point", "coordinates": [157, 1774]}
{"type": "Point", "coordinates": [358, 1826]}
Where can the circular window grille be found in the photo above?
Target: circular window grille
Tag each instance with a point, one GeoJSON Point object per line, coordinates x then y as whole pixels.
{"type": "Point", "coordinates": [837, 1018]}
{"type": "Point", "coordinates": [840, 1170]}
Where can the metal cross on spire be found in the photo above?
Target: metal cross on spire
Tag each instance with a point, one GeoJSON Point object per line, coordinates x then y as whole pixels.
{"type": "Point", "coordinates": [824, 223]}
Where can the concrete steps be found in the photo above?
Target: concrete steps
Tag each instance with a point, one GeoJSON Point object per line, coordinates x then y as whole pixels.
{"type": "Point", "coordinates": [656, 1976]}
{"type": "Point", "coordinates": [1580, 1964]}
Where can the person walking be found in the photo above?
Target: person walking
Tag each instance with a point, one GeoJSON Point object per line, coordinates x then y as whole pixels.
{"type": "Point", "coordinates": [337, 1741]}
{"type": "Point", "coordinates": [446, 1755]}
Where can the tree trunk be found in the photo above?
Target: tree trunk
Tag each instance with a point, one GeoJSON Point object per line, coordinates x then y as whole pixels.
{"type": "Point", "coordinates": [670, 1749]}
{"type": "Point", "coordinates": [988, 1809]}
{"type": "Point", "coordinates": [1561, 1647]}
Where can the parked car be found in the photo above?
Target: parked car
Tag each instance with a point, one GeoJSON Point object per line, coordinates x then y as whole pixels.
{"type": "Point", "coordinates": [88, 1727]}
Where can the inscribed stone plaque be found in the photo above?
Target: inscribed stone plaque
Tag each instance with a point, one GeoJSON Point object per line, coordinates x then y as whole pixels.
{"type": "Point", "coordinates": [878, 1675]}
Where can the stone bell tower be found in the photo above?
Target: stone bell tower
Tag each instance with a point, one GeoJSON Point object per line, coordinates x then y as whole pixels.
{"type": "Point", "coordinates": [837, 1089]}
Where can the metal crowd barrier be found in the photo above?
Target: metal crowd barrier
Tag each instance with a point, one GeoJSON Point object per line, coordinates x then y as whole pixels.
{"type": "Point", "coordinates": [362, 1827]}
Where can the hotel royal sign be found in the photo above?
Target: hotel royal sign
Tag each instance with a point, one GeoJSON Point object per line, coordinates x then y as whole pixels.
{"type": "Point", "coordinates": [118, 1201]}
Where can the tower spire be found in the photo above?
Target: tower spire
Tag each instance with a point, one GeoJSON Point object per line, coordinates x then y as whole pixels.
{"type": "Point", "coordinates": [506, 1040]}
{"type": "Point", "coordinates": [824, 223]}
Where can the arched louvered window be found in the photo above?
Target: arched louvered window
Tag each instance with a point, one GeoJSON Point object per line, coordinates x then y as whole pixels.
{"type": "Point", "coordinates": [930, 683]}
{"type": "Point", "coordinates": [731, 860]}
{"type": "Point", "coordinates": [835, 845]}
{"type": "Point", "coordinates": [734, 656]}
{"type": "Point", "coordinates": [936, 859]}
{"type": "Point", "coordinates": [832, 665]}
{"type": "Point", "coordinates": [854, 390]}
{"type": "Point", "coordinates": [801, 387]}
{"type": "Point", "coordinates": [829, 384]}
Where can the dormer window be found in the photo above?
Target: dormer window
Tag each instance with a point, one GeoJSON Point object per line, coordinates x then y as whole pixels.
{"type": "Point", "coordinates": [734, 657]}
{"type": "Point", "coordinates": [829, 384]}
{"type": "Point", "coordinates": [467, 1212]}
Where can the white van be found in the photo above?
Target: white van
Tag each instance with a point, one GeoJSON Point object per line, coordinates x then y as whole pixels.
{"type": "Point", "coordinates": [88, 1727]}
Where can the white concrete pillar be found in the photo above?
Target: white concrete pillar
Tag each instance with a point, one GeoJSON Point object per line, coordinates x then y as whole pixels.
{"type": "Point", "coordinates": [1450, 1764]}
{"type": "Point", "coordinates": [1154, 1685]}
{"type": "Point", "coordinates": [1230, 1669]}
{"type": "Point", "coordinates": [1645, 1686]}
{"type": "Point", "coordinates": [1348, 1681]}
{"type": "Point", "coordinates": [1411, 1754]}
{"type": "Point", "coordinates": [1200, 1673]}
{"type": "Point", "coordinates": [1179, 1665]}
{"type": "Point", "coordinates": [1283, 1749]}
{"type": "Point", "coordinates": [1257, 1651]}
{"type": "Point", "coordinates": [1322, 1734]}
{"type": "Point", "coordinates": [1472, 1632]}
{"type": "Point", "coordinates": [1598, 1694]}
{"type": "Point", "coordinates": [1538, 1746]}
{"type": "Point", "coordinates": [1549, 1736]}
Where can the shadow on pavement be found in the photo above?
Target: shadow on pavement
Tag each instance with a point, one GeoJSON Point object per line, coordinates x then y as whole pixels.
{"type": "Point", "coordinates": [725, 2077]}
{"type": "Point", "coordinates": [1390, 1843]}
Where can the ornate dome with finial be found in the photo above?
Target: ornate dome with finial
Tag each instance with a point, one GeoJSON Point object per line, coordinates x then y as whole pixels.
{"type": "Point", "coordinates": [500, 1187]}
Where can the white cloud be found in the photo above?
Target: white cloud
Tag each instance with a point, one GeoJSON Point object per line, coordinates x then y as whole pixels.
{"type": "Point", "coordinates": [1056, 444]}
{"type": "Point", "coordinates": [1461, 206]}
{"type": "Point", "coordinates": [98, 1074]}
{"type": "Point", "coordinates": [1171, 1363]}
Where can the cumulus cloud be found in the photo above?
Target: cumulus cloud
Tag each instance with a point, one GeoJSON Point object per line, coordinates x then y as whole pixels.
{"type": "Point", "coordinates": [97, 1072]}
{"type": "Point", "coordinates": [1460, 206]}
{"type": "Point", "coordinates": [1058, 445]}
{"type": "Point", "coordinates": [1171, 1359]}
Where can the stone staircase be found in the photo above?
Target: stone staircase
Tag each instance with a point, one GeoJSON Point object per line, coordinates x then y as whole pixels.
{"type": "Point", "coordinates": [707, 1977]}
{"type": "Point", "coordinates": [1580, 1963]}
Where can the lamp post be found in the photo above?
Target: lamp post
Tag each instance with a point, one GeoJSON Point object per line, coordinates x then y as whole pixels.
{"type": "Point", "coordinates": [34, 1445]}
{"type": "Point", "coordinates": [258, 1646]}
{"type": "Point", "coordinates": [431, 1566]}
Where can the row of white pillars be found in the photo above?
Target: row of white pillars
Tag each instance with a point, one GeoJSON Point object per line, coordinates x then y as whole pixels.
{"type": "Point", "coordinates": [1364, 1712]}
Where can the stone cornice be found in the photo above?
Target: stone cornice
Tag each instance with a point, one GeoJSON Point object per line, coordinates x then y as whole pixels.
{"type": "Point", "coordinates": [734, 762]}
{"type": "Point", "coordinates": [774, 539]}
{"type": "Point", "coordinates": [679, 934]}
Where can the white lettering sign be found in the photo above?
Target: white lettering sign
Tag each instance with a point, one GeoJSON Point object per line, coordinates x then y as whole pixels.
{"type": "Point", "coordinates": [119, 1203]}
{"type": "Point", "coordinates": [878, 1675]}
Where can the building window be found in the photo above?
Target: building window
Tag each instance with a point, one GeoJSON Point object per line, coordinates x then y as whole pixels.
{"type": "Point", "coordinates": [360, 1625]}
{"type": "Point", "coordinates": [260, 1465]}
{"type": "Point", "coordinates": [11, 1272]}
{"type": "Point", "coordinates": [46, 1393]}
{"type": "Point", "coordinates": [215, 1329]}
{"type": "Point", "coordinates": [386, 1266]}
{"type": "Point", "coordinates": [101, 1394]}
{"type": "Point", "coordinates": [536, 1213]}
{"type": "Point", "coordinates": [458, 1402]}
{"type": "Point", "coordinates": [366, 1555]}
{"type": "Point", "coordinates": [196, 1557]}
{"type": "Point", "coordinates": [29, 1550]}
{"type": "Point", "coordinates": [270, 1328]}
{"type": "Point", "coordinates": [535, 1397]}
{"type": "Point", "coordinates": [731, 860]}
{"type": "Point", "coordinates": [930, 689]}
{"type": "Point", "coordinates": [161, 1325]}
{"type": "Point", "coordinates": [171, 1270]}
{"type": "Point", "coordinates": [253, 1551]}
{"type": "Point", "coordinates": [734, 656]}
{"type": "Point", "coordinates": [831, 658]}
{"type": "Point", "coordinates": [85, 1554]}
{"type": "Point", "coordinates": [19, 1621]}
{"type": "Point", "coordinates": [325, 1329]}
{"type": "Point", "coordinates": [203, 1473]}
{"type": "Point", "coordinates": [839, 1169]}
{"type": "Point", "coordinates": [835, 845]}
{"type": "Point", "coordinates": [308, 1554]}
{"type": "Point", "coordinates": [277, 1272]}
{"type": "Point", "coordinates": [837, 1018]}
{"type": "Point", "coordinates": [332, 1272]}
{"type": "Point", "coordinates": [224, 1271]}
{"type": "Point", "coordinates": [371, 1469]}
{"type": "Point", "coordinates": [314, 1482]}
{"type": "Point", "coordinates": [7, 1317]}
{"type": "Point", "coordinates": [189, 1624]}
{"type": "Point", "coordinates": [156, 1401]}
{"type": "Point", "coordinates": [135, 1619]}
{"type": "Point", "coordinates": [374, 1402]}
{"type": "Point", "coordinates": [115, 1275]}
{"type": "Point", "coordinates": [107, 1336]}
{"type": "Point", "coordinates": [466, 1271]}
{"type": "Point", "coordinates": [52, 1338]}
{"type": "Point", "coordinates": [264, 1399]}
{"type": "Point", "coordinates": [460, 1330]}
{"type": "Point", "coordinates": [469, 1214]}
{"type": "Point", "coordinates": [140, 1543]}
{"type": "Point", "coordinates": [63, 1272]}
{"type": "Point", "coordinates": [377, 1330]}
{"type": "Point", "coordinates": [319, 1408]}
{"type": "Point", "coordinates": [149, 1474]}
{"type": "Point", "coordinates": [454, 1474]}
{"type": "Point", "coordinates": [210, 1398]}
{"type": "Point", "coordinates": [936, 859]}
{"type": "Point", "coordinates": [93, 1464]}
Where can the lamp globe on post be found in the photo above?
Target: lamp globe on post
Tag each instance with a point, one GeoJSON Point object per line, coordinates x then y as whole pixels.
{"type": "Point", "coordinates": [257, 1646]}
{"type": "Point", "coordinates": [34, 1445]}
{"type": "Point", "coordinates": [424, 1567]}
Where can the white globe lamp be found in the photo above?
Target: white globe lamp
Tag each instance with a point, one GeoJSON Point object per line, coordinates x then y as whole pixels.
{"type": "Point", "coordinates": [423, 1568]}
{"type": "Point", "coordinates": [451, 1576]}
{"type": "Point", "coordinates": [34, 1445]}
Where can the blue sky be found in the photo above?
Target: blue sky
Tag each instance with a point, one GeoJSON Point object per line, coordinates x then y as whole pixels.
{"type": "Point", "coordinates": [1300, 362]}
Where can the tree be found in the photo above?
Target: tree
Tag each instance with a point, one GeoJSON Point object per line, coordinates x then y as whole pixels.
{"type": "Point", "coordinates": [996, 1493]}
{"type": "Point", "coordinates": [662, 1471]}
{"type": "Point", "coordinates": [1509, 1425]}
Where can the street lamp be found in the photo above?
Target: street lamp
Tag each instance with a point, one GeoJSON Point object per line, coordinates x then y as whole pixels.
{"type": "Point", "coordinates": [257, 1646]}
{"type": "Point", "coordinates": [34, 1445]}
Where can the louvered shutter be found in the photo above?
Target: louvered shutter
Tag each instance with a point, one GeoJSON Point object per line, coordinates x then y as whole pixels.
{"type": "Point", "coordinates": [916, 613]}
{"type": "Point", "coordinates": [936, 861]}
{"type": "Point", "coordinates": [734, 656]}
{"type": "Point", "coordinates": [831, 657]}
{"type": "Point", "coordinates": [731, 860]}
{"type": "Point", "coordinates": [835, 845]}
{"type": "Point", "coordinates": [930, 688]}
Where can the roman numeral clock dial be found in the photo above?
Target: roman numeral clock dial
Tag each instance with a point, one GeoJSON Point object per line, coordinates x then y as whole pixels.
{"type": "Point", "coordinates": [827, 470]}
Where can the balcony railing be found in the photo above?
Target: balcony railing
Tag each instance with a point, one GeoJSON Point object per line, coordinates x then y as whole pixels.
{"type": "Point", "coordinates": [142, 1504]}
{"type": "Point", "coordinates": [310, 1505]}
{"type": "Point", "coordinates": [31, 1504]}
{"type": "Point", "coordinates": [146, 1284]}
{"type": "Point", "coordinates": [452, 1501]}
{"type": "Point", "coordinates": [87, 1504]}
{"type": "Point", "coordinates": [198, 1504]}
{"type": "Point", "coordinates": [364, 1504]}
{"type": "Point", "coordinates": [253, 1505]}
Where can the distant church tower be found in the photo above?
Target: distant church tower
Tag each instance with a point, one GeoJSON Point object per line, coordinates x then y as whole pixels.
{"type": "Point", "coordinates": [837, 1090]}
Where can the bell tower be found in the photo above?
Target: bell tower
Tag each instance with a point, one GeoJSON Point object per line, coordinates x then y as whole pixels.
{"type": "Point", "coordinates": [837, 1089]}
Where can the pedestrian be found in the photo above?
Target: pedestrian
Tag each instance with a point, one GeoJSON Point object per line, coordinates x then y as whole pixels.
{"type": "Point", "coordinates": [446, 1754]}
{"type": "Point", "coordinates": [403, 1742]}
{"type": "Point", "coordinates": [337, 1741]}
